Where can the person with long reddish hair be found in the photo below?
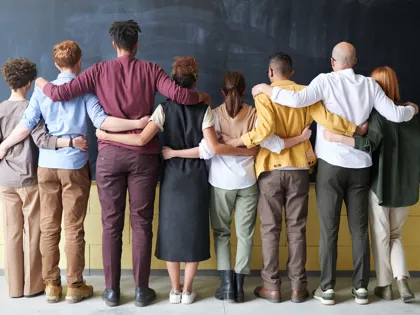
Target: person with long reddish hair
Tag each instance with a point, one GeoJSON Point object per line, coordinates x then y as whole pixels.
{"type": "Point", "coordinates": [395, 150]}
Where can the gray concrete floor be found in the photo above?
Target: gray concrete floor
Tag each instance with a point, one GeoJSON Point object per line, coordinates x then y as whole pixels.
{"type": "Point", "coordinates": [206, 304]}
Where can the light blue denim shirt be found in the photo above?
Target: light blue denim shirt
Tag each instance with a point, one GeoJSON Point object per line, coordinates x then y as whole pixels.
{"type": "Point", "coordinates": [63, 120]}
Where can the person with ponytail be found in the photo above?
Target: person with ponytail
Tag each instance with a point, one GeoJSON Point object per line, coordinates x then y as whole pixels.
{"type": "Point", "coordinates": [394, 185]}
{"type": "Point", "coordinates": [233, 185]}
{"type": "Point", "coordinates": [183, 233]}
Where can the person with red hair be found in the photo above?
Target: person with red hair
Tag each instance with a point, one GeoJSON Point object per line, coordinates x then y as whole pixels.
{"type": "Point", "coordinates": [395, 150]}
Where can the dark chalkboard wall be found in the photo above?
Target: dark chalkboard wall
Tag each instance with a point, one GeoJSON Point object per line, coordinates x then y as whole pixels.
{"type": "Point", "coordinates": [222, 34]}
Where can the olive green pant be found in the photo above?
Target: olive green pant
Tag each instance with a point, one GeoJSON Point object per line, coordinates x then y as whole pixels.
{"type": "Point", "coordinates": [243, 202]}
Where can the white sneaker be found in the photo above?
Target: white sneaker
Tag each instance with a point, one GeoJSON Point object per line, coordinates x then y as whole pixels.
{"type": "Point", "coordinates": [188, 297]}
{"type": "Point", "coordinates": [175, 297]}
{"type": "Point", "coordinates": [360, 296]}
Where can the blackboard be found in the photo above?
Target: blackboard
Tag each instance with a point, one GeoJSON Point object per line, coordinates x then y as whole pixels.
{"type": "Point", "coordinates": [222, 34]}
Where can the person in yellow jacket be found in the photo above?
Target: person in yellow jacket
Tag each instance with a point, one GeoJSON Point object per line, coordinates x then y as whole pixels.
{"type": "Point", "coordinates": [284, 178]}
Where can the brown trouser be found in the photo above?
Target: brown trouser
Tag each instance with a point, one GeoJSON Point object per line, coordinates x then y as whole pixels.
{"type": "Point", "coordinates": [64, 194]}
{"type": "Point", "coordinates": [289, 189]}
{"type": "Point", "coordinates": [21, 240]}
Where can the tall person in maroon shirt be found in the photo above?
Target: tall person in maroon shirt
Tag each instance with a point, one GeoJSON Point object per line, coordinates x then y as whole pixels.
{"type": "Point", "coordinates": [126, 88]}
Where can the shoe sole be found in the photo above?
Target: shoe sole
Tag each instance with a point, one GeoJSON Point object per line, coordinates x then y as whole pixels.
{"type": "Point", "coordinates": [268, 299]}
{"type": "Point", "coordinates": [383, 297]}
{"type": "Point", "coordinates": [299, 299]}
{"type": "Point", "coordinates": [227, 296]}
{"type": "Point", "coordinates": [175, 300]}
{"type": "Point", "coordinates": [408, 299]}
{"type": "Point", "coordinates": [323, 301]}
{"type": "Point", "coordinates": [53, 299]}
{"type": "Point", "coordinates": [360, 301]}
{"type": "Point", "coordinates": [77, 299]}
{"type": "Point", "coordinates": [110, 304]}
{"type": "Point", "coordinates": [240, 298]}
{"type": "Point", "coordinates": [145, 303]}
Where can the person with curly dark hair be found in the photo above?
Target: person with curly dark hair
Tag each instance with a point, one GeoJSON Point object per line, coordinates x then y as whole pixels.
{"type": "Point", "coordinates": [183, 234]}
{"type": "Point", "coordinates": [18, 183]}
{"type": "Point", "coordinates": [69, 170]}
{"type": "Point", "coordinates": [126, 88]}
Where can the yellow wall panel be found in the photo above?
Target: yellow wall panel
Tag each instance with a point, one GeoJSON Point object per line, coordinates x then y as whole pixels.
{"type": "Point", "coordinates": [93, 227]}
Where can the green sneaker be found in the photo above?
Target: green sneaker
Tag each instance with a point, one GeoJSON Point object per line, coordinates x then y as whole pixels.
{"type": "Point", "coordinates": [384, 292]}
{"type": "Point", "coordinates": [407, 295]}
{"type": "Point", "coordinates": [325, 297]}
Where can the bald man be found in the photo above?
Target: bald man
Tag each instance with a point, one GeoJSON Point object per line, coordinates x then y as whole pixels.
{"type": "Point", "coordinates": [343, 172]}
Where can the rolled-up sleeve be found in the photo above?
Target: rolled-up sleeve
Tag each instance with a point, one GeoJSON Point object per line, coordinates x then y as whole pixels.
{"type": "Point", "coordinates": [204, 149]}
{"type": "Point", "coordinates": [158, 117]}
{"type": "Point", "coordinates": [95, 111]}
{"type": "Point", "coordinates": [32, 114]}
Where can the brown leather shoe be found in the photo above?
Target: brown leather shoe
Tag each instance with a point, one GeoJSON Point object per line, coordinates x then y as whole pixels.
{"type": "Point", "coordinates": [272, 296]}
{"type": "Point", "coordinates": [299, 296]}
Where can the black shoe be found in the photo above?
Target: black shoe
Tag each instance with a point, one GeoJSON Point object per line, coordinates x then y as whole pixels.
{"type": "Point", "coordinates": [227, 290]}
{"type": "Point", "coordinates": [111, 297]}
{"type": "Point", "coordinates": [144, 296]}
{"type": "Point", "coordinates": [239, 283]}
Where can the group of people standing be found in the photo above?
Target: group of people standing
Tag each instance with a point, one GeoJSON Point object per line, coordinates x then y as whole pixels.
{"type": "Point", "coordinates": [259, 158]}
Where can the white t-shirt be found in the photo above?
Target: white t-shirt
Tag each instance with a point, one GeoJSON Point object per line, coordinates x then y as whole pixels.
{"type": "Point", "coordinates": [351, 96]}
{"type": "Point", "coordinates": [158, 117]}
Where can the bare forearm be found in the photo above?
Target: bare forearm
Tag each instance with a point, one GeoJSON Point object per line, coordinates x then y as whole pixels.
{"type": "Point", "coordinates": [17, 135]}
{"type": "Point", "coordinates": [346, 140]}
{"type": "Point", "coordinates": [291, 142]}
{"type": "Point", "coordinates": [115, 124]}
{"type": "Point", "coordinates": [224, 149]}
{"type": "Point", "coordinates": [193, 153]}
{"type": "Point", "coordinates": [62, 143]}
{"type": "Point", "coordinates": [127, 139]}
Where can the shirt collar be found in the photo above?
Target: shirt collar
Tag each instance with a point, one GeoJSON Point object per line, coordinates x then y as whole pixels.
{"type": "Point", "coordinates": [283, 83]}
{"type": "Point", "coordinates": [346, 72]}
{"type": "Point", "coordinates": [67, 75]}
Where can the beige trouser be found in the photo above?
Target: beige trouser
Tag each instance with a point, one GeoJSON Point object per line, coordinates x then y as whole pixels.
{"type": "Point", "coordinates": [21, 212]}
{"type": "Point", "coordinates": [388, 251]}
{"type": "Point", "coordinates": [64, 197]}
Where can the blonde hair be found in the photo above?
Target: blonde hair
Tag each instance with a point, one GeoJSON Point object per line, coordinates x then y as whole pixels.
{"type": "Point", "coordinates": [387, 79]}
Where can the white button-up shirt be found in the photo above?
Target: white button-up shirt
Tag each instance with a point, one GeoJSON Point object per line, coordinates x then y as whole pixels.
{"type": "Point", "coordinates": [349, 95]}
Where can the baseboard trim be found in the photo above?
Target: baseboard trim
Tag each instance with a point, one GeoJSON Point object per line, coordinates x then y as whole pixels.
{"type": "Point", "coordinates": [214, 273]}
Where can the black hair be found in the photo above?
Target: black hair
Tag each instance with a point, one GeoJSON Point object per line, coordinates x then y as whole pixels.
{"type": "Point", "coordinates": [186, 81]}
{"type": "Point", "coordinates": [125, 34]}
{"type": "Point", "coordinates": [281, 63]}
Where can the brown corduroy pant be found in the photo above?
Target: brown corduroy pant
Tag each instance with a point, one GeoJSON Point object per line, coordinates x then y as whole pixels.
{"type": "Point", "coordinates": [21, 211]}
{"type": "Point", "coordinates": [64, 197]}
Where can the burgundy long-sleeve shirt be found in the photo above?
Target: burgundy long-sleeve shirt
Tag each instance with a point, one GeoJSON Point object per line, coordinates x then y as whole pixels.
{"type": "Point", "coordinates": [126, 88]}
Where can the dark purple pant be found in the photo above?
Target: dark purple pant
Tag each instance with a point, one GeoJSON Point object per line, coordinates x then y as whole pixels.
{"type": "Point", "coordinates": [119, 169]}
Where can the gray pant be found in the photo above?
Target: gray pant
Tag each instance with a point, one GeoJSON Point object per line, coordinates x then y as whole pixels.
{"type": "Point", "coordinates": [222, 203]}
{"type": "Point", "coordinates": [333, 185]}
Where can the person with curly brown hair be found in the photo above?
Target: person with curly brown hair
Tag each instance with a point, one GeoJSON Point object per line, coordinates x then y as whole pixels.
{"type": "Point", "coordinates": [183, 234]}
{"type": "Point", "coordinates": [126, 88]}
{"type": "Point", "coordinates": [64, 175]}
{"type": "Point", "coordinates": [18, 183]}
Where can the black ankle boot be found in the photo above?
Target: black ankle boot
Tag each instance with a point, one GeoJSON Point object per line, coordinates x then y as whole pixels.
{"type": "Point", "coordinates": [239, 283]}
{"type": "Point", "coordinates": [227, 287]}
